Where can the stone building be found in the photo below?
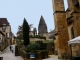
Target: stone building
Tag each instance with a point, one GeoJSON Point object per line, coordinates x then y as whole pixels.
{"type": "Point", "coordinates": [51, 34]}
{"type": "Point", "coordinates": [13, 39]}
{"type": "Point", "coordinates": [5, 28]}
{"type": "Point", "coordinates": [2, 41]}
{"type": "Point", "coordinates": [73, 18]}
{"type": "Point", "coordinates": [73, 21]}
{"type": "Point", "coordinates": [42, 27]}
{"type": "Point", "coordinates": [67, 23]}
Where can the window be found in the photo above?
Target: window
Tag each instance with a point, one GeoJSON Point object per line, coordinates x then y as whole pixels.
{"type": "Point", "coordinates": [72, 33]}
{"type": "Point", "coordinates": [7, 35]}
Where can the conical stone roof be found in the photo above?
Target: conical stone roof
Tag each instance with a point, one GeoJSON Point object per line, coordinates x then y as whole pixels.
{"type": "Point", "coordinates": [42, 27]}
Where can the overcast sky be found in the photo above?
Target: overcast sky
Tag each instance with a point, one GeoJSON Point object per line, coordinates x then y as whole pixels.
{"type": "Point", "coordinates": [16, 10]}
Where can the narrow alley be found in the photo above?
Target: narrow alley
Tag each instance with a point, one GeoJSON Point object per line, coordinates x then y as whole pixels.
{"type": "Point", "coordinates": [8, 55]}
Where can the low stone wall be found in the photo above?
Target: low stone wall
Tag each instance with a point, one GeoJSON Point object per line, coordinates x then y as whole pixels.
{"type": "Point", "coordinates": [38, 55]}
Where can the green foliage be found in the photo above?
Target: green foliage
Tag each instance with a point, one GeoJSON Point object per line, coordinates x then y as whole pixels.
{"type": "Point", "coordinates": [33, 47]}
{"type": "Point", "coordinates": [52, 43]}
{"type": "Point", "coordinates": [26, 30]}
{"type": "Point", "coordinates": [38, 36]}
{"type": "Point", "coordinates": [42, 45]}
{"type": "Point", "coordinates": [48, 41]}
{"type": "Point", "coordinates": [20, 37]}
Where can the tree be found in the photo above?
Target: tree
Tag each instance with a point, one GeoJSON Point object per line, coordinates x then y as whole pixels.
{"type": "Point", "coordinates": [26, 30]}
{"type": "Point", "coordinates": [33, 47]}
{"type": "Point", "coordinates": [35, 31]}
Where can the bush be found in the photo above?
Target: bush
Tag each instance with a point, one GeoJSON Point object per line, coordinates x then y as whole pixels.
{"type": "Point", "coordinates": [42, 45]}
{"type": "Point", "coordinates": [33, 47]}
{"type": "Point", "coordinates": [52, 43]}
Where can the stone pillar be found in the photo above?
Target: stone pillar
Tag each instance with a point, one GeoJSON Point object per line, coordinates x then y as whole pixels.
{"type": "Point", "coordinates": [61, 27]}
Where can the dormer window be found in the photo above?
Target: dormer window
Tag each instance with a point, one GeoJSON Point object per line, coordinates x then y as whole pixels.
{"type": "Point", "coordinates": [4, 28]}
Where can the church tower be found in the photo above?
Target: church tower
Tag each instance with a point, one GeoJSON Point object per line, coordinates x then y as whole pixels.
{"type": "Point", "coordinates": [42, 27]}
{"type": "Point", "coordinates": [61, 26]}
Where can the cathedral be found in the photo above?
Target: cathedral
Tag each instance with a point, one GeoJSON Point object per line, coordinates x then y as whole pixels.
{"type": "Point", "coordinates": [67, 24]}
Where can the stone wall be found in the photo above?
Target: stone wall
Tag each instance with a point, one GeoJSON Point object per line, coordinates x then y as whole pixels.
{"type": "Point", "coordinates": [76, 24]}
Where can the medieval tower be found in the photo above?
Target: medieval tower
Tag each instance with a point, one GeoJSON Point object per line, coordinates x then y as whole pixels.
{"type": "Point", "coordinates": [42, 27]}
{"type": "Point", "coordinates": [61, 26]}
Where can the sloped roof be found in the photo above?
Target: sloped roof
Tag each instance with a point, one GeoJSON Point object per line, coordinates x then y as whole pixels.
{"type": "Point", "coordinates": [4, 21]}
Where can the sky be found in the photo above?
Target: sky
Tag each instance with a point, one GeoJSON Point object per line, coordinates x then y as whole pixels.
{"type": "Point", "coordinates": [16, 10]}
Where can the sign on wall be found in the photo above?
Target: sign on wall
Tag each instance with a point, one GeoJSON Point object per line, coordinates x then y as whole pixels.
{"type": "Point", "coordinates": [32, 55]}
